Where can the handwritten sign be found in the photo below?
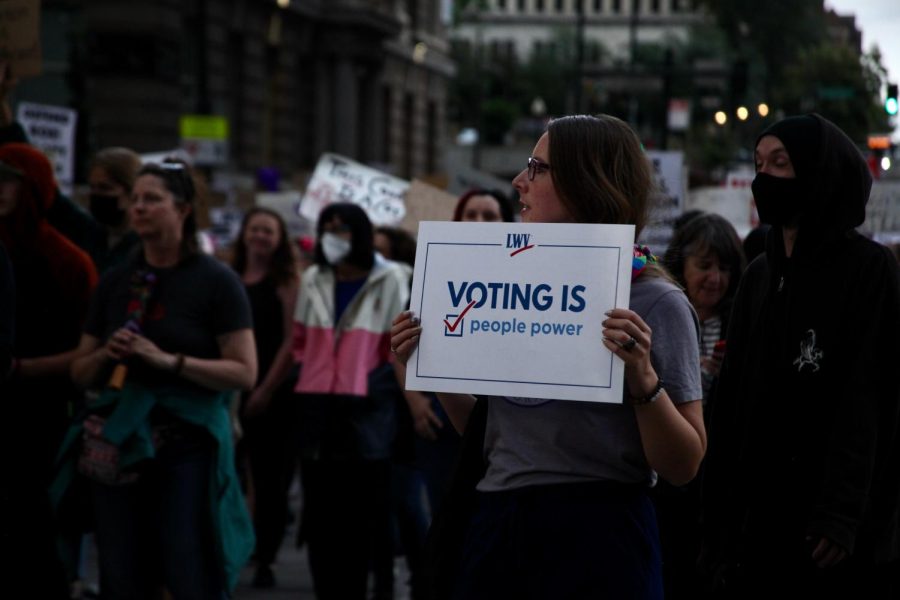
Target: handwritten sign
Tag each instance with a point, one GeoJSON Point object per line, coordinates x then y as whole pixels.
{"type": "Point", "coordinates": [52, 129]}
{"type": "Point", "coordinates": [20, 36]}
{"type": "Point", "coordinates": [339, 179]}
{"type": "Point", "coordinates": [516, 309]}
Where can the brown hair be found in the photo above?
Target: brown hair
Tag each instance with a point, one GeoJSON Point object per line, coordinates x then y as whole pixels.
{"type": "Point", "coordinates": [599, 170]}
{"type": "Point", "coordinates": [120, 164]}
{"type": "Point", "coordinates": [283, 265]}
{"type": "Point", "coordinates": [178, 179]}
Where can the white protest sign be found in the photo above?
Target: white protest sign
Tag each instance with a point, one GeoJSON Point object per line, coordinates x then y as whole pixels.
{"type": "Point", "coordinates": [516, 309]}
{"type": "Point", "coordinates": [52, 129]}
{"type": "Point", "coordinates": [339, 179]}
{"type": "Point", "coordinates": [668, 174]}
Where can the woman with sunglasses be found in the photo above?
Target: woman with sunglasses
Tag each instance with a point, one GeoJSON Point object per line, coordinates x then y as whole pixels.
{"type": "Point", "coordinates": [562, 510]}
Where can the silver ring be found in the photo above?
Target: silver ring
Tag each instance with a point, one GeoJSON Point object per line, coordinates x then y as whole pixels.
{"type": "Point", "coordinates": [631, 343]}
{"type": "Point", "coordinates": [393, 350]}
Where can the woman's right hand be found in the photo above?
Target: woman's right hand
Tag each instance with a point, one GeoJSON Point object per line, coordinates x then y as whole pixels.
{"type": "Point", "coordinates": [118, 346]}
{"type": "Point", "coordinates": [404, 335]}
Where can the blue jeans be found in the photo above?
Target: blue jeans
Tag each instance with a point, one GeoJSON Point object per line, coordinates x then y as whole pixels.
{"type": "Point", "coordinates": [158, 531]}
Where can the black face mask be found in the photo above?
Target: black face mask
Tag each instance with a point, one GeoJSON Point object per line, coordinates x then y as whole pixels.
{"type": "Point", "coordinates": [105, 209]}
{"type": "Point", "coordinates": [779, 200]}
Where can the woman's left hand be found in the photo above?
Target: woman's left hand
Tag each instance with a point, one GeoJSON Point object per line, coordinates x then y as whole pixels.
{"type": "Point", "coordinates": [626, 335]}
{"type": "Point", "coordinates": [150, 352]}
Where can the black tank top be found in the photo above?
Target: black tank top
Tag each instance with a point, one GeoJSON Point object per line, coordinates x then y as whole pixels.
{"type": "Point", "coordinates": [267, 322]}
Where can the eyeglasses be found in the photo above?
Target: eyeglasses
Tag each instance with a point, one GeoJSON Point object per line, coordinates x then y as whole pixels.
{"type": "Point", "coordinates": [535, 166]}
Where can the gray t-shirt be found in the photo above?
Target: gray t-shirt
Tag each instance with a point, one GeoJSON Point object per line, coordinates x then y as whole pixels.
{"type": "Point", "coordinates": [538, 442]}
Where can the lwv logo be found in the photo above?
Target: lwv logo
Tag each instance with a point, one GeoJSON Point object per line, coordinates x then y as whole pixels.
{"type": "Point", "coordinates": [518, 241]}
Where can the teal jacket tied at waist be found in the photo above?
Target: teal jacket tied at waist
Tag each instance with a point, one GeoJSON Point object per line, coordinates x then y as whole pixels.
{"type": "Point", "coordinates": [128, 427]}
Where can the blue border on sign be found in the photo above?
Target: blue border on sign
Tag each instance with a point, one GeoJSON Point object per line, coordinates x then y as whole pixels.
{"type": "Point", "coordinates": [618, 250]}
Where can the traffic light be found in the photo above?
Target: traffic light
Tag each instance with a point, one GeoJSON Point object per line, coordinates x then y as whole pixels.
{"type": "Point", "coordinates": [890, 103]}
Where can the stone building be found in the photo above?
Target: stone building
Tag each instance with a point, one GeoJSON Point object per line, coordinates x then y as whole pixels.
{"type": "Point", "coordinates": [522, 27]}
{"type": "Point", "coordinates": [363, 78]}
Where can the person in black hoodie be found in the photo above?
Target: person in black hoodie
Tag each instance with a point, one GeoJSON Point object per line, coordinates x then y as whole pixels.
{"type": "Point", "coordinates": [802, 478]}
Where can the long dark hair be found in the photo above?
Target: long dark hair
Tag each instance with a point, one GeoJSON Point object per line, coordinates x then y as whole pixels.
{"type": "Point", "coordinates": [178, 179]}
{"type": "Point", "coordinates": [403, 244]}
{"type": "Point", "coordinates": [282, 268]}
{"type": "Point", "coordinates": [704, 234]}
{"type": "Point", "coordinates": [362, 250]}
{"type": "Point", "coordinates": [599, 170]}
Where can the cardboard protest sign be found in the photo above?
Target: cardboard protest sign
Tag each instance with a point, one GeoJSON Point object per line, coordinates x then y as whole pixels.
{"type": "Point", "coordinates": [339, 179]}
{"type": "Point", "coordinates": [516, 309]}
{"type": "Point", "coordinates": [426, 203]}
{"type": "Point", "coordinates": [20, 36]}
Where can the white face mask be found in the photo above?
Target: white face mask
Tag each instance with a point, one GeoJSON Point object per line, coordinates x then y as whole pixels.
{"type": "Point", "coordinates": [335, 248]}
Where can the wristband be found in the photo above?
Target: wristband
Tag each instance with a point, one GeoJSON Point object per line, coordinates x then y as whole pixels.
{"type": "Point", "coordinates": [653, 396]}
{"type": "Point", "coordinates": [179, 364]}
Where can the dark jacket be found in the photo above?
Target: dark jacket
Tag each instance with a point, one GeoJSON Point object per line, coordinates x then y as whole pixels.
{"type": "Point", "coordinates": [804, 440]}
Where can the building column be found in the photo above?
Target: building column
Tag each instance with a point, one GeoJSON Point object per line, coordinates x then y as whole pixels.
{"type": "Point", "coordinates": [346, 95]}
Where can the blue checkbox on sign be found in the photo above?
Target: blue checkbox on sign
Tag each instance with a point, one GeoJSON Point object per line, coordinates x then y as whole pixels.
{"type": "Point", "coordinates": [453, 326]}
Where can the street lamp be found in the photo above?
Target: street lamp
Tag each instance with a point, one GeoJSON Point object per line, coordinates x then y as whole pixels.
{"type": "Point", "coordinates": [742, 113]}
{"type": "Point", "coordinates": [721, 117]}
{"type": "Point", "coordinates": [763, 109]}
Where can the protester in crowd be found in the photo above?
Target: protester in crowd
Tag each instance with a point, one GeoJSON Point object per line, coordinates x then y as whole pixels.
{"type": "Point", "coordinates": [111, 177]}
{"type": "Point", "coordinates": [802, 482]}
{"type": "Point", "coordinates": [341, 339]}
{"type": "Point", "coordinates": [62, 213]}
{"type": "Point", "coordinates": [266, 263]}
{"type": "Point", "coordinates": [168, 509]}
{"type": "Point", "coordinates": [706, 259]}
{"type": "Point", "coordinates": [563, 508]}
{"type": "Point", "coordinates": [488, 206]}
{"type": "Point", "coordinates": [53, 280]}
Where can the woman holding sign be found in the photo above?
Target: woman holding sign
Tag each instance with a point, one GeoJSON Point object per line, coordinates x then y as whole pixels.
{"type": "Point", "coordinates": [562, 508]}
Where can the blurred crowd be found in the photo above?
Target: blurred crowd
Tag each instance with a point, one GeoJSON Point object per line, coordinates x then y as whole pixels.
{"type": "Point", "coordinates": [166, 400]}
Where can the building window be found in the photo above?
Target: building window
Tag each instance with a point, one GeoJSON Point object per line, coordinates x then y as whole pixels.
{"type": "Point", "coordinates": [598, 6]}
{"type": "Point", "coordinates": [539, 5]}
{"type": "Point", "coordinates": [501, 4]}
{"type": "Point", "coordinates": [617, 6]}
{"type": "Point", "coordinates": [560, 6]}
{"type": "Point", "coordinates": [521, 6]}
{"type": "Point", "coordinates": [654, 6]}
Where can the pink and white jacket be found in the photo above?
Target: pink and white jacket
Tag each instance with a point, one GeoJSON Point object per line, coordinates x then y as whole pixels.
{"type": "Point", "coordinates": [337, 357]}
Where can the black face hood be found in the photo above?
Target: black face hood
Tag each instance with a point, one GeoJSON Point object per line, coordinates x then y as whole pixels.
{"type": "Point", "coordinates": [836, 174]}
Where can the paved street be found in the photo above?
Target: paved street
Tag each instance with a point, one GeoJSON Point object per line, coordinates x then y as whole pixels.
{"type": "Point", "coordinates": [291, 572]}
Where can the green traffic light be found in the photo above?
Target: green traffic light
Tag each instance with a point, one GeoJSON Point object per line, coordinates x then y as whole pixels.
{"type": "Point", "coordinates": [890, 106]}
